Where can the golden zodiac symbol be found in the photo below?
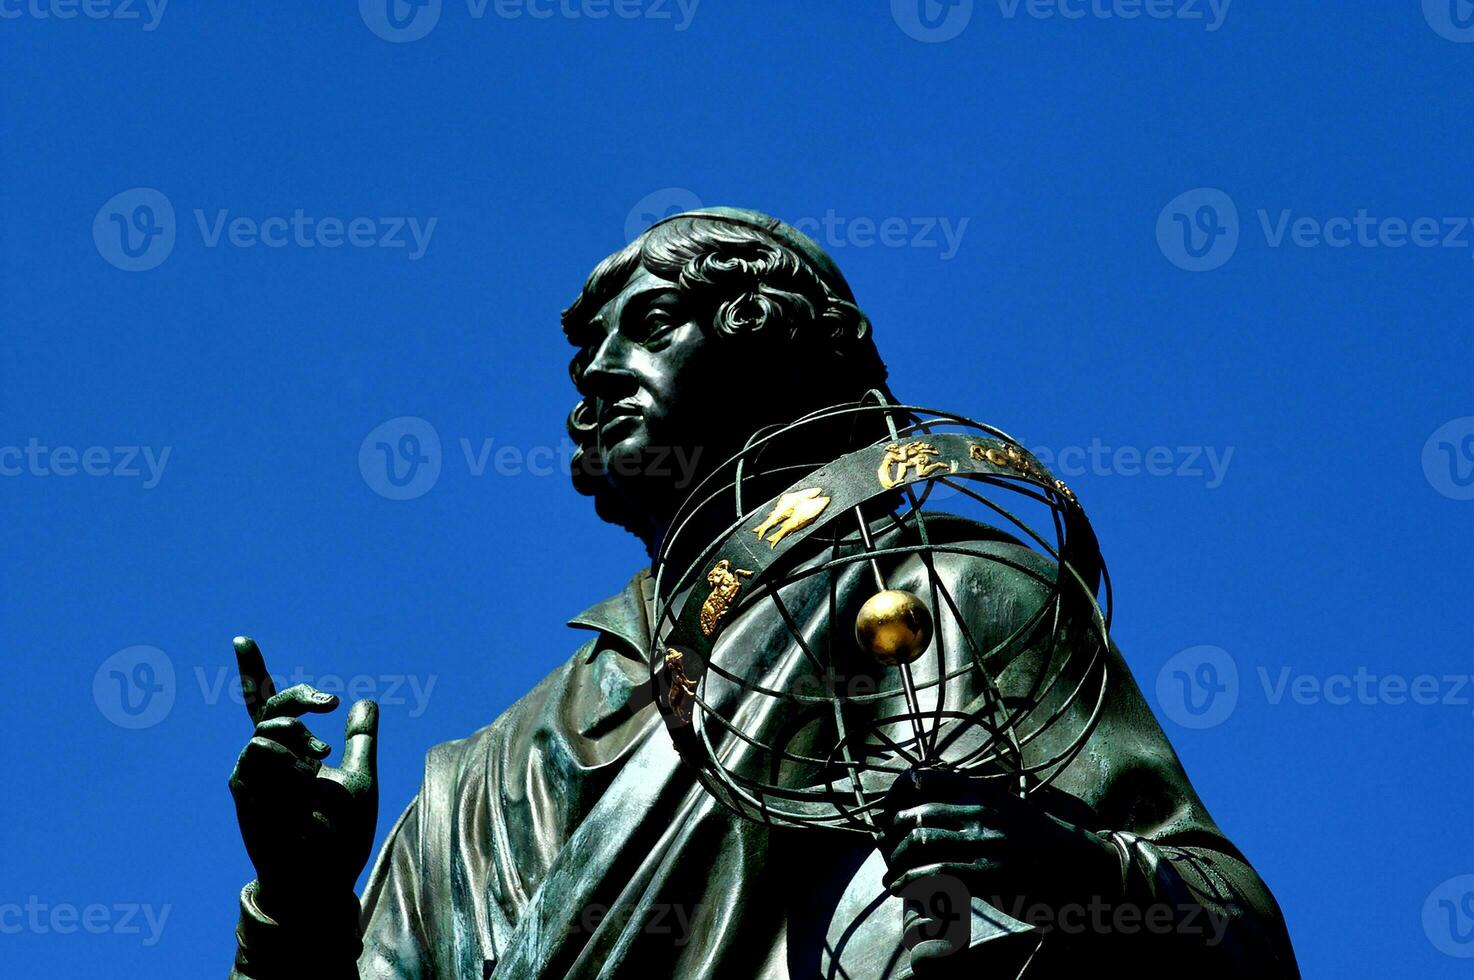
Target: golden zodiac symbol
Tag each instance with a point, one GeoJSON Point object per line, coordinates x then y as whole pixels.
{"type": "Point", "coordinates": [793, 512]}
{"type": "Point", "coordinates": [1010, 457]}
{"type": "Point", "coordinates": [915, 456]}
{"type": "Point", "coordinates": [682, 688]}
{"type": "Point", "coordinates": [724, 582]}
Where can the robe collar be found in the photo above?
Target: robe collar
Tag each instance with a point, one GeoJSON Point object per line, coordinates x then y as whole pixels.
{"type": "Point", "coordinates": [623, 616]}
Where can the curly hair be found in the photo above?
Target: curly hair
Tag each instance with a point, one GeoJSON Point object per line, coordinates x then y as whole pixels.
{"type": "Point", "coordinates": [741, 281]}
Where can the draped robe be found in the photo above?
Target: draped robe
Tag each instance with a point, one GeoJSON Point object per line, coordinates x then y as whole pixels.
{"type": "Point", "coordinates": [568, 838]}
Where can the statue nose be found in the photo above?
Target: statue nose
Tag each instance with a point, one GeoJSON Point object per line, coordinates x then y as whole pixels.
{"type": "Point", "coordinates": [608, 376]}
{"type": "Point", "coordinates": [612, 354]}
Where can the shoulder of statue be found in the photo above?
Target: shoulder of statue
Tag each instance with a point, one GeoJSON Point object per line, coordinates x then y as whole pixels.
{"type": "Point", "coordinates": [623, 616]}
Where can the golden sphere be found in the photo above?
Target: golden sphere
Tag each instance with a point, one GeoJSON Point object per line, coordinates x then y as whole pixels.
{"type": "Point", "coordinates": [894, 627]}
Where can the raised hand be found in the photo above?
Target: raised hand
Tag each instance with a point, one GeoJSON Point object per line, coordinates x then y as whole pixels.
{"type": "Point", "coordinates": [308, 828]}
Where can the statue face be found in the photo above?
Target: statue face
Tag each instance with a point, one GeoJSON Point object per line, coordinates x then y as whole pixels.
{"type": "Point", "coordinates": [663, 388]}
{"type": "Point", "coordinates": [649, 359]}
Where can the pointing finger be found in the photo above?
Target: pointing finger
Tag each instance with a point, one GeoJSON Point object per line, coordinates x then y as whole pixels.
{"type": "Point", "coordinates": [256, 683]}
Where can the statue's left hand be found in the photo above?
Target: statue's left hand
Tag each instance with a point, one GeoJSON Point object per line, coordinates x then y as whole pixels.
{"type": "Point", "coordinates": [1007, 851]}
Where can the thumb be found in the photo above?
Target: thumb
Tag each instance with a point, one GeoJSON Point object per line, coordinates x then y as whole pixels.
{"type": "Point", "coordinates": [360, 739]}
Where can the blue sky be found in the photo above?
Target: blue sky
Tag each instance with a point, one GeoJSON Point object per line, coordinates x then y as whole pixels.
{"type": "Point", "coordinates": [1215, 259]}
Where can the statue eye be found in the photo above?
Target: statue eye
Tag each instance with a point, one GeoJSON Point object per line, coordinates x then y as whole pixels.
{"type": "Point", "coordinates": [656, 324]}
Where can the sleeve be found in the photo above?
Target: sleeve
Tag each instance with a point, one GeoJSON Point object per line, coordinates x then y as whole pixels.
{"type": "Point", "coordinates": [383, 931]}
{"type": "Point", "coordinates": [394, 946]}
{"type": "Point", "coordinates": [324, 947]}
{"type": "Point", "coordinates": [1188, 898]}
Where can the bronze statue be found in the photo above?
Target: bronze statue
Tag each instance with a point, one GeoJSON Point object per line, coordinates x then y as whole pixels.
{"type": "Point", "coordinates": [571, 837]}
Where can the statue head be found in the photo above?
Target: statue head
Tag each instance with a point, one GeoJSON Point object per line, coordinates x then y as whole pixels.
{"type": "Point", "coordinates": [710, 326]}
